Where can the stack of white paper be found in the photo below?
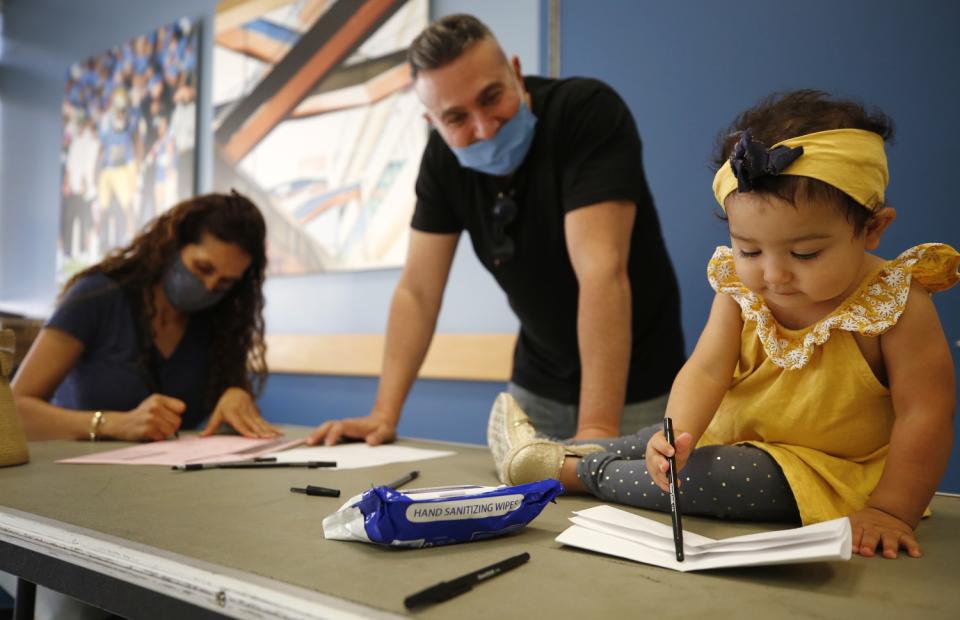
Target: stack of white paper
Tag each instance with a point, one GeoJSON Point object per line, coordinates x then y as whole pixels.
{"type": "Point", "coordinates": [605, 529]}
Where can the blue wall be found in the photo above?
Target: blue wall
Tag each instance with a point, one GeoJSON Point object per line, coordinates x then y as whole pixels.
{"type": "Point", "coordinates": [688, 68]}
{"type": "Point", "coordinates": [447, 410]}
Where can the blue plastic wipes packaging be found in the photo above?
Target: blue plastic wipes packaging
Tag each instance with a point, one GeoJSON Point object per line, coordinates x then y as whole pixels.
{"type": "Point", "coordinates": [439, 515]}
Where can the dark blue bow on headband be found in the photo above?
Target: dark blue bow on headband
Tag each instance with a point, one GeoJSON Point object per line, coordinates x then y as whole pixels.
{"type": "Point", "coordinates": [752, 159]}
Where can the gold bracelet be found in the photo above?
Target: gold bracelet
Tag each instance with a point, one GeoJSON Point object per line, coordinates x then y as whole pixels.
{"type": "Point", "coordinates": [95, 423]}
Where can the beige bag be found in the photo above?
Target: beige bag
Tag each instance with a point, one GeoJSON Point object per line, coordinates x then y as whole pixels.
{"type": "Point", "coordinates": [13, 442]}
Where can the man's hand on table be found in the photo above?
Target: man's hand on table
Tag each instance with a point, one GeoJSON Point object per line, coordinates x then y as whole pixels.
{"type": "Point", "coordinates": [374, 429]}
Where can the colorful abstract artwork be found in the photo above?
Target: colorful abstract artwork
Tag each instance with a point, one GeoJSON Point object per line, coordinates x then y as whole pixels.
{"type": "Point", "coordinates": [316, 120]}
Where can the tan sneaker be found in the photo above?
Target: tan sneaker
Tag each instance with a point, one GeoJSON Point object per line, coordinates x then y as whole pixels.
{"type": "Point", "coordinates": [508, 426]}
{"type": "Point", "coordinates": [539, 459]}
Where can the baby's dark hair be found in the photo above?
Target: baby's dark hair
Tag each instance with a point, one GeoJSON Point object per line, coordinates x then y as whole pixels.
{"type": "Point", "coordinates": [781, 116]}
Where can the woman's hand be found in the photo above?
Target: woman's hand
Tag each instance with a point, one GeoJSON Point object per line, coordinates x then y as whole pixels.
{"type": "Point", "coordinates": [874, 528]}
{"type": "Point", "coordinates": [658, 449]}
{"type": "Point", "coordinates": [154, 419]}
{"type": "Point", "coordinates": [237, 408]}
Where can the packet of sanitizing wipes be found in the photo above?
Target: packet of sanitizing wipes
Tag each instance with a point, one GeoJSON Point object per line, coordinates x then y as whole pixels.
{"type": "Point", "coordinates": [439, 515]}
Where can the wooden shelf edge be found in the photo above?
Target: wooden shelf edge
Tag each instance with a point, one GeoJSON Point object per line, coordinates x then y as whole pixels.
{"type": "Point", "coordinates": [466, 357]}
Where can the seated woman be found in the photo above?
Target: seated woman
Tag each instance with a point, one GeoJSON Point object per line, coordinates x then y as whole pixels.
{"type": "Point", "coordinates": [158, 336]}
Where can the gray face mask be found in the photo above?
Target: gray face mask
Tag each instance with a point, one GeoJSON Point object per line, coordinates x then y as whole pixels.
{"type": "Point", "coordinates": [186, 291]}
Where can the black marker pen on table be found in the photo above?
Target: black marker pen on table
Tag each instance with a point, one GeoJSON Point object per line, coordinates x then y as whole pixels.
{"type": "Point", "coordinates": [403, 480]}
{"type": "Point", "coordinates": [672, 479]}
{"type": "Point", "coordinates": [252, 465]}
{"type": "Point", "coordinates": [316, 491]}
{"type": "Point", "coordinates": [446, 590]}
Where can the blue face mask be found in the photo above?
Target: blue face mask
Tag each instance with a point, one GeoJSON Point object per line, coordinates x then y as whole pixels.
{"type": "Point", "coordinates": [186, 291]}
{"type": "Point", "coordinates": [505, 151]}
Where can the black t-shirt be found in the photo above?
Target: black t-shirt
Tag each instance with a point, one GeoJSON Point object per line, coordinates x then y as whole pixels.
{"type": "Point", "coordinates": [586, 150]}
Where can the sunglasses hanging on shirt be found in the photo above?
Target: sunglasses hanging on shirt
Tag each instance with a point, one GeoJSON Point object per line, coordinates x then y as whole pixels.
{"type": "Point", "coordinates": [504, 211]}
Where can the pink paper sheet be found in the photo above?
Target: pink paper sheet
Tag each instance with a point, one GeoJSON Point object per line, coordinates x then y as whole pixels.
{"type": "Point", "coordinates": [185, 450]}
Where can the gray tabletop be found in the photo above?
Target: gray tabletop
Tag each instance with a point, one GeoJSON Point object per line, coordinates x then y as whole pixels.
{"type": "Point", "coordinates": [248, 522]}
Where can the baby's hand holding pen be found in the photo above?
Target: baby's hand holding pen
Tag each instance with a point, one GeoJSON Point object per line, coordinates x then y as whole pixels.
{"type": "Point", "coordinates": [659, 449]}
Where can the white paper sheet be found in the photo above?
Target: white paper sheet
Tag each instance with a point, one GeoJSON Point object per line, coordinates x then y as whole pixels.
{"type": "Point", "coordinates": [608, 530]}
{"type": "Point", "coordinates": [355, 455]}
{"type": "Point", "coordinates": [220, 448]}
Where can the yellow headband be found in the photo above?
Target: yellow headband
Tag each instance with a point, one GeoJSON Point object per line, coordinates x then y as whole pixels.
{"type": "Point", "coordinates": [852, 160]}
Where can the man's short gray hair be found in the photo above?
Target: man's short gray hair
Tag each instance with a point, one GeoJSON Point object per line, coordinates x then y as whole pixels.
{"type": "Point", "coordinates": [444, 41]}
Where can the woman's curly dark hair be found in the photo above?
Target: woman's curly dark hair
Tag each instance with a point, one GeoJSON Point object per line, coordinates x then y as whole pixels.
{"type": "Point", "coordinates": [785, 115]}
{"type": "Point", "coordinates": [237, 355]}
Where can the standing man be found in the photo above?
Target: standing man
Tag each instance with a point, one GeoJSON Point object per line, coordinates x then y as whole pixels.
{"type": "Point", "coordinates": [546, 176]}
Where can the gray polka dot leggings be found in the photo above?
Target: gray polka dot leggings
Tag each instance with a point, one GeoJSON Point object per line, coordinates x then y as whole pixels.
{"type": "Point", "coordinates": [728, 482]}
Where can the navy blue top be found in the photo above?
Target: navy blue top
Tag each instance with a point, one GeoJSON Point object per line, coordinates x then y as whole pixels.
{"type": "Point", "coordinates": [108, 375]}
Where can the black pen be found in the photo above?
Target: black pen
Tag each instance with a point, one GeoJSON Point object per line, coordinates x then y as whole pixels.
{"type": "Point", "coordinates": [399, 482]}
{"type": "Point", "coordinates": [253, 465]}
{"type": "Point", "coordinates": [316, 491]}
{"type": "Point", "coordinates": [446, 590]}
{"type": "Point", "coordinates": [672, 478]}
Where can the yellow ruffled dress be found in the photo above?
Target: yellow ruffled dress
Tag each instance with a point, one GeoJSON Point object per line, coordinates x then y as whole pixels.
{"type": "Point", "coordinates": [807, 397]}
